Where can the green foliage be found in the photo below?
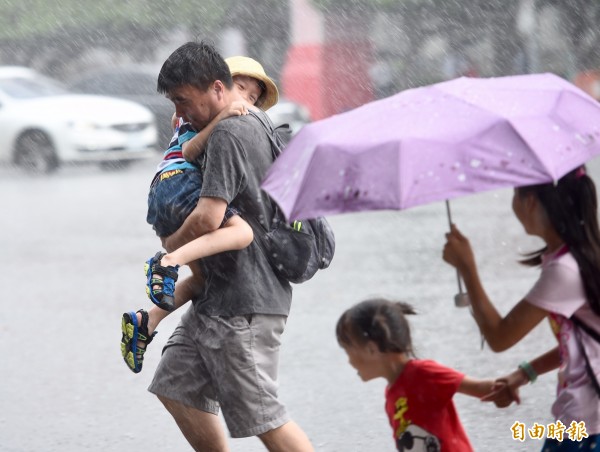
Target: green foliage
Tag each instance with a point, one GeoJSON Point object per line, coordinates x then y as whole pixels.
{"type": "Point", "coordinates": [25, 19]}
{"type": "Point", "coordinates": [335, 5]}
{"type": "Point", "coordinates": [339, 5]}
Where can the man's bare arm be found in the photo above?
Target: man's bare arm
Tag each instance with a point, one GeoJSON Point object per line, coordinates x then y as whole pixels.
{"type": "Point", "coordinates": [206, 217]}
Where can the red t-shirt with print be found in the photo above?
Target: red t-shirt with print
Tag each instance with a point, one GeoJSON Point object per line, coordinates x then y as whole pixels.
{"type": "Point", "coordinates": [421, 411]}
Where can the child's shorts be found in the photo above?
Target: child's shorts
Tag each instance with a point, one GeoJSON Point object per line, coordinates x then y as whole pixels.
{"type": "Point", "coordinates": [173, 196]}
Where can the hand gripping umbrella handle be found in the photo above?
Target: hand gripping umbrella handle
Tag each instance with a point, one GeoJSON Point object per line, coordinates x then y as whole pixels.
{"type": "Point", "coordinates": [461, 299]}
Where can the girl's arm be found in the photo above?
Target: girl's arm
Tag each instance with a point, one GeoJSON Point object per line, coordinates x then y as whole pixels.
{"type": "Point", "coordinates": [507, 388]}
{"type": "Point", "coordinates": [474, 387]}
{"type": "Point", "coordinates": [500, 332]}
{"type": "Point", "coordinates": [236, 234]}
{"type": "Point", "coordinates": [193, 148]}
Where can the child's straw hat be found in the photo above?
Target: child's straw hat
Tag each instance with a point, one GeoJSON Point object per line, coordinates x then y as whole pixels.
{"type": "Point", "coordinates": [241, 65]}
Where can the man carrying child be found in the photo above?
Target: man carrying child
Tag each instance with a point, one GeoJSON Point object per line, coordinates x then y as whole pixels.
{"type": "Point", "coordinates": [225, 351]}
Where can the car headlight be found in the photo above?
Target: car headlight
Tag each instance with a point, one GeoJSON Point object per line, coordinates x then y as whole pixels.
{"type": "Point", "coordinates": [83, 126]}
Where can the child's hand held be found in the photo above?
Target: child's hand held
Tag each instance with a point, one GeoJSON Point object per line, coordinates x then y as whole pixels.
{"type": "Point", "coordinates": [502, 394]}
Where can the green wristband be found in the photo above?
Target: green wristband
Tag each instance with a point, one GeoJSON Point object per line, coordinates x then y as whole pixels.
{"type": "Point", "coordinates": [529, 371]}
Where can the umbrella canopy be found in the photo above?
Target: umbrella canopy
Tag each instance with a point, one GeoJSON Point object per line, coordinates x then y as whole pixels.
{"type": "Point", "coordinates": [435, 143]}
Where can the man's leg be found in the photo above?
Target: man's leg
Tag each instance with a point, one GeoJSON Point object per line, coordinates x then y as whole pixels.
{"type": "Point", "coordinates": [287, 438]}
{"type": "Point", "coordinates": [184, 386]}
{"type": "Point", "coordinates": [201, 429]}
{"type": "Point", "coordinates": [248, 381]}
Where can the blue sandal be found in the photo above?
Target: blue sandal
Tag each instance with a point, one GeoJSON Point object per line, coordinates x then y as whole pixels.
{"type": "Point", "coordinates": [132, 352]}
{"type": "Point", "coordinates": [160, 282]}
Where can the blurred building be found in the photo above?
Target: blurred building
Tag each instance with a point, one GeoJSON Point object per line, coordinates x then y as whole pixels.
{"type": "Point", "coordinates": [329, 60]}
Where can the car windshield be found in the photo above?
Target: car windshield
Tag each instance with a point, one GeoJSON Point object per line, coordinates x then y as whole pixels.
{"type": "Point", "coordinates": [28, 88]}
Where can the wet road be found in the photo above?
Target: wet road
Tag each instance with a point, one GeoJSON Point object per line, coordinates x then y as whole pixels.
{"type": "Point", "coordinates": [73, 246]}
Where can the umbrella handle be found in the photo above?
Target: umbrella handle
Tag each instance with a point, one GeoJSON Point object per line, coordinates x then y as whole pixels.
{"type": "Point", "coordinates": [461, 299]}
{"type": "Point", "coordinates": [448, 213]}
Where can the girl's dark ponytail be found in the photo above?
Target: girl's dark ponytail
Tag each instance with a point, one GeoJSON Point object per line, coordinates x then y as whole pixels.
{"type": "Point", "coordinates": [380, 321]}
{"type": "Point", "coordinates": [572, 208]}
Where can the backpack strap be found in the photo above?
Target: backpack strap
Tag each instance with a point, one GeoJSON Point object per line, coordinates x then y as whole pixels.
{"type": "Point", "coordinates": [275, 149]}
{"type": "Point", "coordinates": [593, 334]}
{"type": "Point", "coordinates": [266, 124]}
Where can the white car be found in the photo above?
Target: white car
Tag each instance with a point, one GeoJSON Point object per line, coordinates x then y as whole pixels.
{"type": "Point", "coordinates": [289, 112]}
{"type": "Point", "coordinates": [42, 125]}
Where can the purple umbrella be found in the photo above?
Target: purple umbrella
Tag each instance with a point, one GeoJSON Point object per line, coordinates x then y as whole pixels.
{"type": "Point", "coordinates": [436, 143]}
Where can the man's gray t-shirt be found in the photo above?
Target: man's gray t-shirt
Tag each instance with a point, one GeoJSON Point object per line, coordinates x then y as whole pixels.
{"type": "Point", "coordinates": [237, 156]}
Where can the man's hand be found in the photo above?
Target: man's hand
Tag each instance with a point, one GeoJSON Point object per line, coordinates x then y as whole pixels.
{"type": "Point", "coordinates": [206, 217]}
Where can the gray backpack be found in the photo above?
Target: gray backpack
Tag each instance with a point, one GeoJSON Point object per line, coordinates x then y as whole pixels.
{"type": "Point", "coordinates": [295, 251]}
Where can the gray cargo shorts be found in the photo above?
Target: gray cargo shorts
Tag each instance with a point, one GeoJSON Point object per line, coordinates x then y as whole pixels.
{"type": "Point", "coordinates": [226, 362]}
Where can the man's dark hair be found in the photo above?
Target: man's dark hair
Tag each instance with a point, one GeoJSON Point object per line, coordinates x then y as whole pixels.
{"type": "Point", "coordinates": [194, 63]}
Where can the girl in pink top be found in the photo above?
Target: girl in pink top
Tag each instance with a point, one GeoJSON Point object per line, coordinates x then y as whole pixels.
{"type": "Point", "coordinates": [565, 216]}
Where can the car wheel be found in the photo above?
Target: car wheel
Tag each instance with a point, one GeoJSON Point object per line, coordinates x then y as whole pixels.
{"type": "Point", "coordinates": [115, 165]}
{"type": "Point", "coordinates": [35, 153]}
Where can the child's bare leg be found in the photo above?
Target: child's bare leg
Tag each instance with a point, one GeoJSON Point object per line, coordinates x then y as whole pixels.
{"type": "Point", "coordinates": [236, 234]}
{"type": "Point", "coordinates": [161, 271]}
{"type": "Point", "coordinates": [146, 322]}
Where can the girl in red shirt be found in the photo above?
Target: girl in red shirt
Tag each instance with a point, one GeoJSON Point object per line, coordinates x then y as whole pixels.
{"type": "Point", "coordinates": [418, 399]}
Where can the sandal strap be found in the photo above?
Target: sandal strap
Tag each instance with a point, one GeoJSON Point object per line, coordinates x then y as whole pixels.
{"type": "Point", "coordinates": [169, 272]}
{"type": "Point", "coordinates": [143, 333]}
{"type": "Point", "coordinates": [165, 286]}
{"type": "Point", "coordinates": [156, 268]}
